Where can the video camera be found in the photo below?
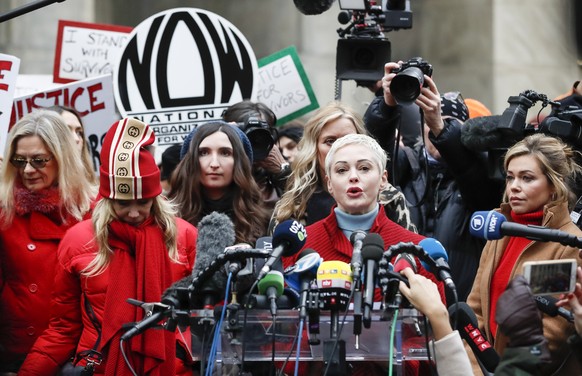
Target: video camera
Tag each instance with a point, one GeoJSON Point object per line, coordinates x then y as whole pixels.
{"type": "Point", "coordinates": [565, 123]}
{"type": "Point", "coordinates": [562, 122]}
{"type": "Point", "coordinates": [362, 49]}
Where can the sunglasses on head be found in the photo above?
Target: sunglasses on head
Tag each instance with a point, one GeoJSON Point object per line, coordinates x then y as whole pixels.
{"type": "Point", "coordinates": [36, 162]}
{"type": "Point", "coordinates": [454, 96]}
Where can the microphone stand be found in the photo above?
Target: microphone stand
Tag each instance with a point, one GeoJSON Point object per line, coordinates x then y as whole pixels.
{"type": "Point", "coordinates": [357, 311]}
{"type": "Point", "coordinates": [313, 314]}
{"type": "Point", "coordinates": [26, 8]}
{"type": "Point", "coordinates": [335, 360]}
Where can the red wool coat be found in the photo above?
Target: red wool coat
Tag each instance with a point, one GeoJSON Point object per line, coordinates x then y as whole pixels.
{"type": "Point", "coordinates": [71, 329]}
{"type": "Point", "coordinates": [327, 239]}
{"type": "Point", "coordinates": [28, 257]}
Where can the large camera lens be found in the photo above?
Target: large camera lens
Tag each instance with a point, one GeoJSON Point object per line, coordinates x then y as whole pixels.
{"type": "Point", "coordinates": [261, 141]}
{"type": "Point", "coordinates": [405, 86]}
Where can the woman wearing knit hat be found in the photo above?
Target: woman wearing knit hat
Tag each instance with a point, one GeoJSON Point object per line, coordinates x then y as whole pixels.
{"type": "Point", "coordinates": [133, 247]}
{"type": "Point", "coordinates": [43, 192]}
{"type": "Point", "coordinates": [215, 175]}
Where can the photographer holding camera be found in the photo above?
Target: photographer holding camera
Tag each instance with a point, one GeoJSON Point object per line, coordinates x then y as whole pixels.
{"type": "Point", "coordinates": [443, 181]}
{"type": "Point", "coordinates": [270, 169]}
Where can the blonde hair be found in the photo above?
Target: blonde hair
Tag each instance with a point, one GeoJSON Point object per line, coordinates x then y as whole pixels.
{"type": "Point", "coordinates": [85, 154]}
{"type": "Point", "coordinates": [305, 178]}
{"type": "Point", "coordinates": [357, 139]}
{"type": "Point", "coordinates": [76, 191]}
{"type": "Point", "coordinates": [556, 160]}
{"type": "Point", "coordinates": [164, 213]}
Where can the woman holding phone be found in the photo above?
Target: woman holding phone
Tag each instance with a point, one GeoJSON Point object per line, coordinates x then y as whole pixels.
{"type": "Point", "coordinates": [540, 173]}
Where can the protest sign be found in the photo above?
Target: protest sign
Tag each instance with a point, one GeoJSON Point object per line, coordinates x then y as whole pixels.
{"type": "Point", "coordinates": [86, 50]}
{"type": "Point", "coordinates": [91, 98]}
{"type": "Point", "coordinates": [284, 86]}
{"type": "Point", "coordinates": [9, 66]}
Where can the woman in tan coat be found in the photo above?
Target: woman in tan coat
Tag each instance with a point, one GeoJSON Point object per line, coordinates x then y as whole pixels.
{"type": "Point", "coordinates": [540, 173]}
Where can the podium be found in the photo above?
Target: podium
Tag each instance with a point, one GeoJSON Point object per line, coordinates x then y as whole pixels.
{"type": "Point", "coordinates": [374, 343]}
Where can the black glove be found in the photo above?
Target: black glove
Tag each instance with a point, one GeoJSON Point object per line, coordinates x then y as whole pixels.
{"type": "Point", "coordinates": [518, 316]}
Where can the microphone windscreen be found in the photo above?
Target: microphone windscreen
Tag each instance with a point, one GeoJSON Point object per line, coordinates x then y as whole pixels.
{"type": "Point", "coordinates": [357, 235]}
{"type": "Point", "coordinates": [313, 7]}
{"type": "Point", "coordinates": [481, 133]}
{"type": "Point", "coordinates": [305, 252]}
{"type": "Point", "coordinates": [435, 249]}
{"type": "Point", "coordinates": [372, 247]}
{"type": "Point", "coordinates": [334, 281]}
{"type": "Point", "coordinates": [403, 261]}
{"type": "Point", "coordinates": [215, 233]}
{"type": "Point", "coordinates": [306, 265]}
{"type": "Point", "coordinates": [291, 234]}
{"type": "Point", "coordinates": [487, 225]}
{"type": "Point", "coordinates": [334, 274]}
{"type": "Point", "coordinates": [273, 279]}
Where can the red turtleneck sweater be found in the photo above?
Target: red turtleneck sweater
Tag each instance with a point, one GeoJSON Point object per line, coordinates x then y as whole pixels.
{"type": "Point", "coordinates": [512, 252]}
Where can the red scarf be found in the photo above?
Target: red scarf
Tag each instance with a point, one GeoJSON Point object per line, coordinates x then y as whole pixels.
{"type": "Point", "coordinates": [46, 201]}
{"type": "Point", "coordinates": [514, 248]}
{"type": "Point", "coordinates": [139, 269]}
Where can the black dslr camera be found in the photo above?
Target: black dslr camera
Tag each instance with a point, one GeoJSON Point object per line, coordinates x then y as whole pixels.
{"type": "Point", "coordinates": [259, 134]}
{"type": "Point", "coordinates": [405, 86]}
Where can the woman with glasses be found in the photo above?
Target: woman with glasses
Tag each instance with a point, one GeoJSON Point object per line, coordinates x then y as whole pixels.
{"type": "Point", "coordinates": [43, 191]}
{"type": "Point", "coordinates": [133, 247]}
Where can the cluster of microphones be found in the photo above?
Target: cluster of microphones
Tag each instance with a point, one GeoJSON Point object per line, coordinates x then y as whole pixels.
{"type": "Point", "coordinates": [312, 285]}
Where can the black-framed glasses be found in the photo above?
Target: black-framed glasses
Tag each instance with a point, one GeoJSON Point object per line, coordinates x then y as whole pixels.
{"type": "Point", "coordinates": [36, 162]}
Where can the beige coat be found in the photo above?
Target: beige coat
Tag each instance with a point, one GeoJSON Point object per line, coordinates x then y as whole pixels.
{"type": "Point", "coordinates": [556, 329]}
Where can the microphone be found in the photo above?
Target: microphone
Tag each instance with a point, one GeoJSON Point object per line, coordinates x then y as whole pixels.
{"type": "Point", "coordinates": [215, 233]}
{"type": "Point", "coordinates": [313, 7]}
{"type": "Point", "coordinates": [481, 133]}
{"type": "Point", "coordinates": [441, 268]}
{"type": "Point", "coordinates": [300, 275]}
{"type": "Point", "coordinates": [147, 322]}
{"type": "Point", "coordinates": [288, 238]}
{"type": "Point", "coordinates": [372, 251]}
{"type": "Point", "coordinates": [272, 287]}
{"type": "Point", "coordinates": [334, 282]}
{"type": "Point", "coordinates": [468, 328]}
{"type": "Point", "coordinates": [547, 304]}
{"type": "Point", "coordinates": [247, 268]}
{"type": "Point", "coordinates": [491, 225]}
{"type": "Point", "coordinates": [403, 261]}
{"type": "Point", "coordinates": [356, 239]}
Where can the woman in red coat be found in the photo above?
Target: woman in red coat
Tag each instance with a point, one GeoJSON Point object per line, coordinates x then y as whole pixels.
{"type": "Point", "coordinates": [355, 176]}
{"type": "Point", "coordinates": [43, 192]}
{"type": "Point", "coordinates": [133, 247]}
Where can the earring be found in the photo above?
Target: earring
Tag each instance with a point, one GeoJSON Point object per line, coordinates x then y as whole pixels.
{"type": "Point", "coordinates": [554, 196]}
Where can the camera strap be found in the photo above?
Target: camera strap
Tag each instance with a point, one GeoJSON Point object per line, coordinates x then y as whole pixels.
{"type": "Point", "coordinates": [92, 357]}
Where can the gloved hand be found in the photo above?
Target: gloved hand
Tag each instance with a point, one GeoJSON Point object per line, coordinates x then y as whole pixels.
{"type": "Point", "coordinates": [518, 316]}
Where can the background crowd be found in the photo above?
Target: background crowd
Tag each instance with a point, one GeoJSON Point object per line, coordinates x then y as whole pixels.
{"type": "Point", "coordinates": [82, 245]}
